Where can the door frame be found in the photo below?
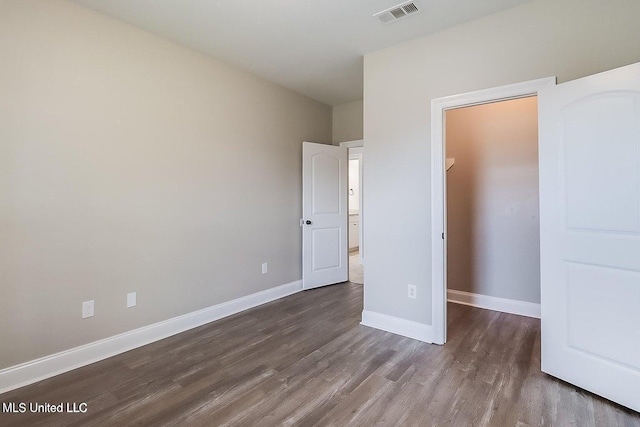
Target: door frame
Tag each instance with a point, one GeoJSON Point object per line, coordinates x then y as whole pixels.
{"type": "Point", "coordinates": [438, 185]}
{"type": "Point", "coordinates": [359, 143]}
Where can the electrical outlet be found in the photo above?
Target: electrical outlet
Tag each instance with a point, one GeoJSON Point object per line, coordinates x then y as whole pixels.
{"type": "Point", "coordinates": [412, 291]}
{"type": "Point", "coordinates": [131, 300]}
{"type": "Point", "coordinates": [264, 268]}
{"type": "Point", "coordinates": [87, 309]}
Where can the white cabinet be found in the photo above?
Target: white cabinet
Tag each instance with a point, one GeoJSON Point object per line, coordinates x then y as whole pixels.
{"type": "Point", "coordinates": [354, 231]}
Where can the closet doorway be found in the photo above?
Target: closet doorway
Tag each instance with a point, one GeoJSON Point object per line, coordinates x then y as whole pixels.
{"type": "Point", "coordinates": [492, 206]}
{"type": "Point", "coordinates": [492, 214]}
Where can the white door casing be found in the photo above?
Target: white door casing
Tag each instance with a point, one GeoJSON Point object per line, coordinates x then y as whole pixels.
{"type": "Point", "coordinates": [438, 185]}
{"type": "Point", "coordinates": [325, 215]}
{"type": "Point", "coordinates": [589, 154]}
{"type": "Point", "coordinates": [358, 146]}
{"type": "Point", "coordinates": [356, 153]}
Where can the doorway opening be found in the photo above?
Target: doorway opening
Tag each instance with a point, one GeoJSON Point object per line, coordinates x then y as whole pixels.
{"type": "Point", "coordinates": [355, 210]}
{"type": "Point", "coordinates": [356, 249]}
{"type": "Point", "coordinates": [440, 237]}
{"type": "Point", "coordinates": [492, 208]}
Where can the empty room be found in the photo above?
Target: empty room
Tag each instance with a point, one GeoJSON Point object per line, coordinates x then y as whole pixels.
{"type": "Point", "coordinates": [184, 242]}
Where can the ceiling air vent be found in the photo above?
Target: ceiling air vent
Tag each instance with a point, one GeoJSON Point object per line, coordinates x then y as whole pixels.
{"type": "Point", "coordinates": [396, 12]}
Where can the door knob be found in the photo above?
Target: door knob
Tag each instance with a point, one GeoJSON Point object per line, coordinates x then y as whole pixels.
{"type": "Point", "coordinates": [308, 222]}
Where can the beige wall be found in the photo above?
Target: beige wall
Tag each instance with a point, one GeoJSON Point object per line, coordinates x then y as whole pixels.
{"type": "Point", "coordinates": [564, 38]}
{"type": "Point", "coordinates": [129, 163]}
{"type": "Point", "coordinates": [493, 227]}
{"type": "Point", "coordinates": [347, 122]}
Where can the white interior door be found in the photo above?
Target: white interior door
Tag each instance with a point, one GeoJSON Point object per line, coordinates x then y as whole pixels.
{"type": "Point", "coordinates": [324, 211]}
{"type": "Point", "coordinates": [589, 144]}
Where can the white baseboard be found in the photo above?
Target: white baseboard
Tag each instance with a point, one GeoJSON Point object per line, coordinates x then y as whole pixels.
{"type": "Point", "coordinates": [521, 308]}
{"type": "Point", "coordinates": [396, 325]}
{"type": "Point", "coordinates": [49, 366]}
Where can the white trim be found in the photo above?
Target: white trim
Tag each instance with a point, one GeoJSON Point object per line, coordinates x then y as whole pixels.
{"type": "Point", "coordinates": [353, 144]}
{"type": "Point", "coordinates": [49, 366]}
{"type": "Point", "coordinates": [396, 325]}
{"type": "Point", "coordinates": [438, 203]}
{"type": "Point", "coordinates": [512, 306]}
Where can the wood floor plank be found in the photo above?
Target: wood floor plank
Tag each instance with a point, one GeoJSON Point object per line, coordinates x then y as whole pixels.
{"type": "Point", "coordinates": [364, 405]}
{"type": "Point", "coordinates": [305, 360]}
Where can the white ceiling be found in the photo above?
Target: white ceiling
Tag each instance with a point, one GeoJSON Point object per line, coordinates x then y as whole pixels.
{"type": "Point", "coordinates": [314, 47]}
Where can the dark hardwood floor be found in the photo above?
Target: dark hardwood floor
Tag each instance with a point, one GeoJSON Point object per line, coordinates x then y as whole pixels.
{"type": "Point", "coordinates": [305, 360]}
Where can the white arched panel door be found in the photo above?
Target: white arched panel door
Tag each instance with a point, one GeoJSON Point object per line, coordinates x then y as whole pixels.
{"type": "Point", "coordinates": [325, 213]}
{"type": "Point", "coordinates": [589, 151]}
